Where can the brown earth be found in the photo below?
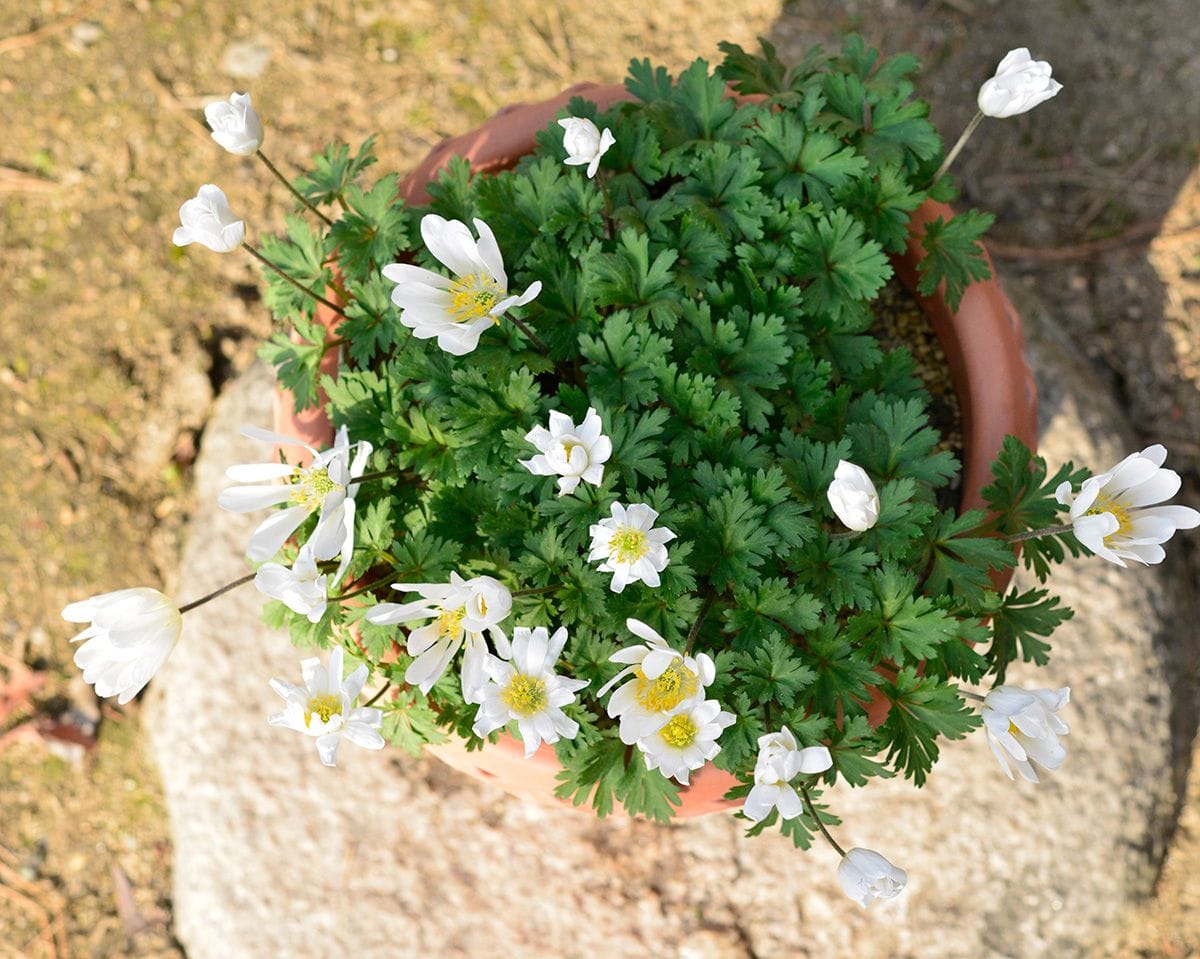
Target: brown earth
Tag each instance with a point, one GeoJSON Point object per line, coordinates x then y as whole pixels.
{"type": "Point", "coordinates": [113, 343]}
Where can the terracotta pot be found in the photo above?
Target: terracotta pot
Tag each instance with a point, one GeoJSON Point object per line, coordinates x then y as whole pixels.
{"type": "Point", "coordinates": [983, 344]}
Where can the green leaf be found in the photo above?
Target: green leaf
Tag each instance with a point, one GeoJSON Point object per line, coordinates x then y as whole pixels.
{"type": "Point", "coordinates": [759, 612]}
{"type": "Point", "coordinates": [373, 230]}
{"type": "Point", "coordinates": [334, 170]}
{"type": "Point", "coordinates": [627, 278]}
{"type": "Point", "coordinates": [749, 74]}
{"type": "Point", "coordinates": [804, 164]}
{"type": "Point", "coordinates": [900, 627]}
{"type": "Point", "coordinates": [842, 266]}
{"type": "Point", "coordinates": [772, 672]}
{"type": "Point", "coordinates": [953, 255]}
{"type": "Point", "coordinates": [410, 722]}
{"type": "Point", "coordinates": [297, 365]}
{"type": "Point", "coordinates": [1017, 625]}
{"type": "Point", "coordinates": [959, 565]}
{"type": "Point", "coordinates": [922, 710]}
{"type": "Point", "coordinates": [302, 256]}
{"type": "Point", "coordinates": [608, 771]}
{"type": "Point", "coordinates": [1024, 498]}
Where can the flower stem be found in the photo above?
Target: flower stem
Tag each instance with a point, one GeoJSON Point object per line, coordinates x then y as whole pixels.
{"type": "Point", "coordinates": [971, 695]}
{"type": "Point", "coordinates": [288, 183]}
{"type": "Point", "coordinates": [217, 592]}
{"type": "Point", "coordinates": [530, 335]}
{"type": "Point", "coordinates": [708, 601]}
{"type": "Point", "coordinates": [382, 474]}
{"type": "Point", "coordinates": [1035, 533]}
{"type": "Point", "coordinates": [296, 283]}
{"type": "Point", "coordinates": [364, 589]}
{"type": "Point", "coordinates": [374, 699]}
{"type": "Point", "coordinates": [541, 590]}
{"type": "Point", "coordinates": [812, 811]}
{"type": "Point", "coordinates": [957, 148]}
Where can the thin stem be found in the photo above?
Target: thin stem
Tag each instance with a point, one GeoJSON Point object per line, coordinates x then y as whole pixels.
{"type": "Point", "coordinates": [296, 283]}
{"type": "Point", "coordinates": [708, 601]}
{"type": "Point", "coordinates": [382, 474]}
{"type": "Point", "coordinates": [374, 699]}
{"type": "Point", "coordinates": [540, 591]}
{"type": "Point", "coordinates": [1035, 533]}
{"type": "Point", "coordinates": [812, 811]}
{"type": "Point", "coordinates": [364, 589]}
{"type": "Point", "coordinates": [532, 337]}
{"type": "Point", "coordinates": [845, 534]}
{"type": "Point", "coordinates": [971, 695]}
{"type": "Point", "coordinates": [957, 148]}
{"type": "Point", "coordinates": [217, 592]}
{"type": "Point", "coordinates": [288, 183]}
{"type": "Point", "coordinates": [608, 209]}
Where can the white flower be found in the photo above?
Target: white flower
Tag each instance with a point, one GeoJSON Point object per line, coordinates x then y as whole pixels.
{"type": "Point", "coordinates": [327, 485]}
{"type": "Point", "coordinates": [571, 452]}
{"type": "Point", "coordinates": [1019, 85]}
{"type": "Point", "coordinates": [207, 220]}
{"type": "Point", "coordinates": [687, 740]}
{"type": "Point", "coordinates": [1021, 725]}
{"type": "Point", "coordinates": [631, 549]}
{"type": "Point", "coordinates": [457, 310]}
{"type": "Point", "coordinates": [324, 707]}
{"type": "Point", "coordinates": [301, 588]}
{"type": "Point", "coordinates": [235, 125]}
{"type": "Point", "coordinates": [461, 610]}
{"type": "Point", "coordinates": [779, 762]}
{"type": "Point", "coordinates": [852, 496]}
{"type": "Point", "coordinates": [584, 143]}
{"type": "Point", "coordinates": [132, 633]}
{"type": "Point", "coordinates": [1114, 513]}
{"type": "Point", "coordinates": [525, 687]}
{"type": "Point", "coordinates": [866, 875]}
{"type": "Point", "coordinates": [663, 680]}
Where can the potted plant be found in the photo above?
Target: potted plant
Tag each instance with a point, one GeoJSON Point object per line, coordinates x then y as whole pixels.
{"type": "Point", "coordinates": [628, 503]}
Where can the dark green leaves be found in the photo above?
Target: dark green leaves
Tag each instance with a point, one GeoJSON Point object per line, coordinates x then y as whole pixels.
{"type": "Point", "coordinates": [334, 170]}
{"type": "Point", "coordinates": [844, 268]}
{"type": "Point", "coordinates": [953, 255]}
{"type": "Point", "coordinates": [922, 710]}
{"type": "Point", "coordinates": [372, 231]}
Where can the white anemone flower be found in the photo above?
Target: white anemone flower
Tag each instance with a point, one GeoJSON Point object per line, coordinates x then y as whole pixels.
{"type": "Point", "coordinates": [687, 740]}
{"type": "Point", "coordinates": [1115, 514]}
{"type": "Point", "coordinates": [455, 309]}
{"type": "Point", "coordinates": [326, 485]}
{"type": "Point", "coordinates": [324, 707]}
{"type": "Point", "coordinates": [865, 875]}
{"type": "Point", "coordinates": [303, 588]}
{"type": "Point", "coordinates": [461, 612]}
{"type": "Point", "coordinates": [524, 687]}
{"type": "Point", "coordinates": [235, 125]}
{"type": "Point", "coordinates": [571, 452]}
{"type": "Point", "coordinates": [780, 760]}
{"type": "Point", "coordinates": [132, 633]}
{"type": "Point", "coordinates": [1021, 725]}
{"type": "Point", "coordinates": [853, 497]}
{"type": "Point", "coordinates": [584, 143]}
{"type": "Point", "coordinates": [1019, 84]}
{"type": "Point", "coordinates": [207, 219]}
{"type": "Point", "coordinates": [663, 680]}
{"type": "Point", "coordinates": [630, 546]}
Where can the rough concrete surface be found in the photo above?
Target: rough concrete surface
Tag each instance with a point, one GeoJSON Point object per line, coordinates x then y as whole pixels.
{"type": "Point", "coordinates": [387, 856]}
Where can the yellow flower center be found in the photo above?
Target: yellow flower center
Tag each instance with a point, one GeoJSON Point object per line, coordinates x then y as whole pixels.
{"type": "Point", "coordinates": [662, 694]}
{"type": "Point", "coordinates": [524, 695]}
{"type": "Point", "coordinates": [1119, 510]}
{"type": "Point", "coordinates": [449, 623]}
{"type": "Point", "coordinates": [311, 487]}
{"type": "Point", "coordinates": [323, 707]}
{"type": "Point", "coordinates": [679, 732]}
{"type": "Point", "coordinates": [628, 545]}
{"type": "Point", "coordinates": [1012, 729]}
{"type": "Point", "coordinates": [473, 296]}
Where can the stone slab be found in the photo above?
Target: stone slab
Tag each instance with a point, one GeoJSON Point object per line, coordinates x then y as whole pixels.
{"type": "Point", "coordinates": [276, 856]}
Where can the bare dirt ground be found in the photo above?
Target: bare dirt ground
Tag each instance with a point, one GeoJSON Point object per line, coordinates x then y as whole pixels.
{"type": "Point", "coordinates": [113, 344]}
